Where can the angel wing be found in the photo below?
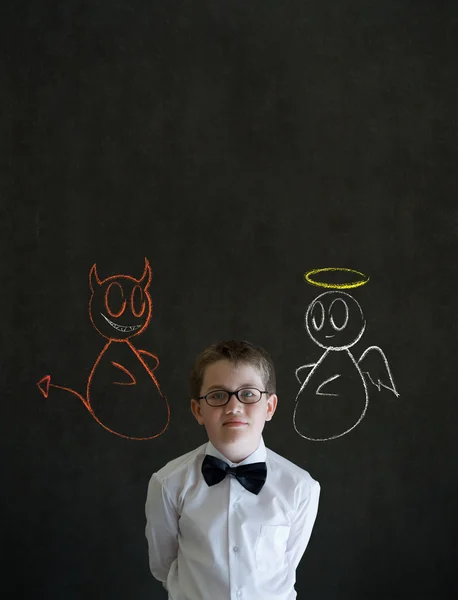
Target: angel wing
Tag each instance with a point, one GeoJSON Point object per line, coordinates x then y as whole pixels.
{"type": "Point", "coordinates": [374, 364]}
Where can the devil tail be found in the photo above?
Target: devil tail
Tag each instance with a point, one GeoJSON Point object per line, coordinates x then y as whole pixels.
{"type": "Point", "coordinates": [45, 383]}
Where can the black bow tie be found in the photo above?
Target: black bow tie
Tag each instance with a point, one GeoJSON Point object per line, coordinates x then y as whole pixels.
{"type": "Point", "coordinates": [252, 476]}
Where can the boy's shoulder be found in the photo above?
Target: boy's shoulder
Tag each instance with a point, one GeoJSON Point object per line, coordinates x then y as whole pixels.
{"type": "Point", "coordinates": [289, 472]}
{"type": "Point", "coordinates": [180, 464]}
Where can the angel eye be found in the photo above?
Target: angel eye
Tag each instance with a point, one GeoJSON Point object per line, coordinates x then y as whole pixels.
{"type": "Point", "coordinates": [339, 310]}
{"type": "Point", "coordinates": [318, 316]}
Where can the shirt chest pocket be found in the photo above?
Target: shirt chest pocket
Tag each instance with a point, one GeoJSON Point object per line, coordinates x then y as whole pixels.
{"type": "Point", "coordinates": [271, 547]}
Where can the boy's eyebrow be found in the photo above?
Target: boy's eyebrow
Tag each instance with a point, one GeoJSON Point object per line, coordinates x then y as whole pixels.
{"type": "Point", "coordinates": [222, 387]}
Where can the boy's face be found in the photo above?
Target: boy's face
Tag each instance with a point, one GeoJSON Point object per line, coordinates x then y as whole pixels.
{"type": "Point", "coordinates": [234, 429]}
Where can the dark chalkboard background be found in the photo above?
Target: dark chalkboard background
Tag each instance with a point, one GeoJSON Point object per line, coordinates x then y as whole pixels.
{"type": "Point", "coordinates": [235, 145]}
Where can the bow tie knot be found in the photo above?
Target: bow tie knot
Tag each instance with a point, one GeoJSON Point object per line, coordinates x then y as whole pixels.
{"type": "Point", "coordinates": [251, 476]}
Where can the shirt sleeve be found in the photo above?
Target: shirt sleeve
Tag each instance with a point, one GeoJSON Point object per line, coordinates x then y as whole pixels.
{"type": "Point", "coordinates": [161, 530]}
{"type": "Point", "coordinates": [302, 525]}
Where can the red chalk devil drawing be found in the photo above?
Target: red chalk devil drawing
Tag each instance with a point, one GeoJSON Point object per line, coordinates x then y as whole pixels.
{"type": "Point", "coordinates": [122, 392]}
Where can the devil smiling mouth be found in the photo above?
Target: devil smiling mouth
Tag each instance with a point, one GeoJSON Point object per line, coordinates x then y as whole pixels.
{"type": "Point", "coordinates": [123, 328]}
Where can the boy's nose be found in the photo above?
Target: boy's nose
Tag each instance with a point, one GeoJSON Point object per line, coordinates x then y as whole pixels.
{"type": "Point", "coordinates": [234, 405]}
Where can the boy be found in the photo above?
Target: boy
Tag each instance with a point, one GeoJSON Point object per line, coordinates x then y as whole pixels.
{"type": "Point", "coordinates": [231, 519]}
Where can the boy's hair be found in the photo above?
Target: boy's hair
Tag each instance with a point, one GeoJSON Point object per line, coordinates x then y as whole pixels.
{"type": "Point", "coordinates": [235, 352]}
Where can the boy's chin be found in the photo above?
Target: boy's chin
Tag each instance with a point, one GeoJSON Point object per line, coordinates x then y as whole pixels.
{"type": "Point", "coordinates": [237, 436]}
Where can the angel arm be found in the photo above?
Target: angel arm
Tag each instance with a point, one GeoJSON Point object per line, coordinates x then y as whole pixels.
{"type": "Point", "coordinates": [374, 364]}
{"type": "Point", "coordinates": [299, 369]}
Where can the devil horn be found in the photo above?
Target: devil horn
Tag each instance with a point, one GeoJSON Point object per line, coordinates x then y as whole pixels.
{"type": "Point", "coordinates": [147, 275]}
{"type": "Point", "coordinates": [94, 280]}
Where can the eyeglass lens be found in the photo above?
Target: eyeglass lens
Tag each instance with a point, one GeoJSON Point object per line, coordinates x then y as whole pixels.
{"type": "Point", "coordinates": [245, 395]}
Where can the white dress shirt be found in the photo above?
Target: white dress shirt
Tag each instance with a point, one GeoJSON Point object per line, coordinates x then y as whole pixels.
{"type": "Point", "coordinates": [223, 542]}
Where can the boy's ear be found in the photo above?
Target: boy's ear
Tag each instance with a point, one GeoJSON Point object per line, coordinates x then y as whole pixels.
{"type": "Point", "coordinates": [196, 411]}
{"type": "Point", "coordinates": [271, 406]}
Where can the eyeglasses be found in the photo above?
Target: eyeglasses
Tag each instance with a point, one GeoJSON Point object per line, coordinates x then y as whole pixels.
{"type": "Point", "coordinates": [222, 397]}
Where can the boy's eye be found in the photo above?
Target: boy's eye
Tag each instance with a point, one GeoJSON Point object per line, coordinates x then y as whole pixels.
{"type": "Point", "coordinates": [217, 395]}
{"type": "Point", "coordinates": [246, 393]}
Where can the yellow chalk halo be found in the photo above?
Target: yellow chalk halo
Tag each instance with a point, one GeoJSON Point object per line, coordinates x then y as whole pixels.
{"type": "Point", "coordinates": [336, 286]}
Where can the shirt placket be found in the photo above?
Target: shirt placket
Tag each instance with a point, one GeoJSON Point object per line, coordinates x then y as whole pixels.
{"type": "Point", "coordinates": [234, 539]}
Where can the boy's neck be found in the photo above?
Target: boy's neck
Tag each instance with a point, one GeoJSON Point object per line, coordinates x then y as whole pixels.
{"type": "Point", "coordinates": [236, 454]}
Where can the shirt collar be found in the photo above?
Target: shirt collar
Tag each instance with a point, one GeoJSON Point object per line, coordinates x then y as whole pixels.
{"type": "Point", "coordinates": [258, 455]}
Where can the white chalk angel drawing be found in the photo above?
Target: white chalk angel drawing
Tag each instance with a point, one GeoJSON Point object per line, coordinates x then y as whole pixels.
{"type": "Point", "coordinates": [334, 396]}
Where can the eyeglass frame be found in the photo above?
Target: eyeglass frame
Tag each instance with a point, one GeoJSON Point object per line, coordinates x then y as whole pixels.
{"type": "Point", "coordinates": [236, 394]}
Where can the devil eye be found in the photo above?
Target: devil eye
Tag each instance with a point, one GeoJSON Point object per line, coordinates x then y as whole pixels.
{"type": "Point", "coordinates": [137, 302]}
{"type": "Point", "coordinates": [114, 299]}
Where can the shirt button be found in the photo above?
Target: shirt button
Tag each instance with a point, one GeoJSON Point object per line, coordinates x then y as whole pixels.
{"type": "Point", "coordinates": [238, 593]}
{"type": "Point", "coordinates": [236, 549]}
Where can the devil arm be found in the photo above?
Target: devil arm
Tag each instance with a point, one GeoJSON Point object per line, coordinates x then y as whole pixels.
{"type": "Point", "coordinates": [150, 359]}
